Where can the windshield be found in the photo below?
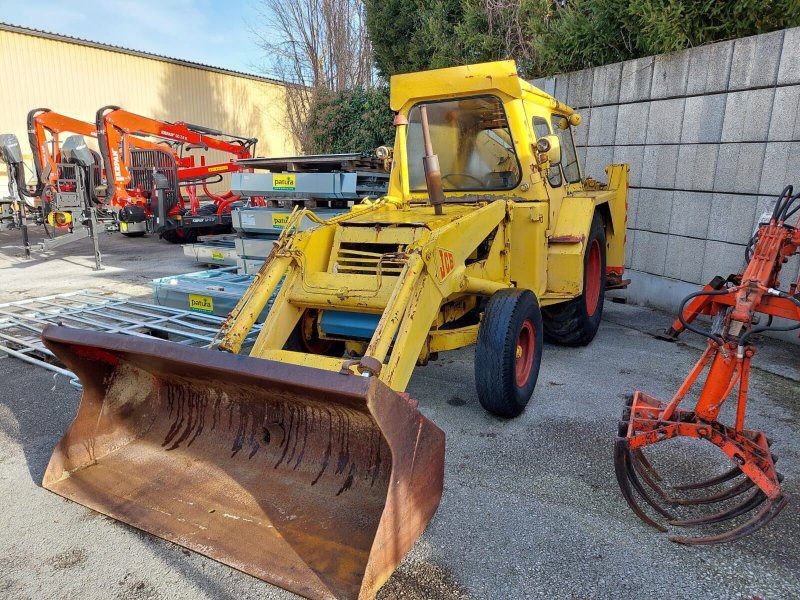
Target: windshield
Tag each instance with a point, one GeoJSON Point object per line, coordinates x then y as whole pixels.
{"type": "Point", "coordinates": [473, 141]}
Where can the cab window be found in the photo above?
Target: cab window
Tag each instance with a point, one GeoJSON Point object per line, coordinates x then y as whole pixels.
{"type": "Point", "coordinates": [569, 158]}
{"type": "Point", "coordinates": [540, 127]}
{"type": "Point", "coordinates": [472, 138]}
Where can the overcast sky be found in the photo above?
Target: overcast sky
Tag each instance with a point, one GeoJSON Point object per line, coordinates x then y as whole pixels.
{"type": "Point", "coordinates": [212, 32]}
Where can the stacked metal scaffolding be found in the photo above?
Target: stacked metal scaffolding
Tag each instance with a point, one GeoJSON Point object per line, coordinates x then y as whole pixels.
{"type": "Point", "coordinates": [21, 323]}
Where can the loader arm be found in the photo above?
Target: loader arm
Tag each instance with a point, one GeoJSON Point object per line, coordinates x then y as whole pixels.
{"type": "Point", "coordinates": [434, 270]}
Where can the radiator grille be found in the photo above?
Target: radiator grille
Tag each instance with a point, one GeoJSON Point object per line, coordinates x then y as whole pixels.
{"type": "Point", "coordinates": [363, 259]}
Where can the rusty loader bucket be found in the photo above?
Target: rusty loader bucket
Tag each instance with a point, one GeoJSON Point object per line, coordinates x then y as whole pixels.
{"type": "Point", "coordinates": [315, 481]}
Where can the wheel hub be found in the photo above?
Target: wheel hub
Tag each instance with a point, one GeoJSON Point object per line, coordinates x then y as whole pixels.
{"type": "Point", "coordinates": [593, 278]}
{"type": "Point", "coordinates": [526, 343]}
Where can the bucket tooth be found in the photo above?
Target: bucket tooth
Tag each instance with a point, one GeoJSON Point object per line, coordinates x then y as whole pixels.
{"type": "Point", "coordinates": [315, 481]}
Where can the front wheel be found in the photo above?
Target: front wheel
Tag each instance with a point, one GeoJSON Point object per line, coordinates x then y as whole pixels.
{"type": "Point", "coordinates": [508, 353]}
{"type": "Point", "coordinates": [575, 323]}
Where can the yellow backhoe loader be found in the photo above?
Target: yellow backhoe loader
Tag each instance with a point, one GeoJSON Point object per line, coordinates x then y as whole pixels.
{"type": "Point", "coordinates": [313, 470]}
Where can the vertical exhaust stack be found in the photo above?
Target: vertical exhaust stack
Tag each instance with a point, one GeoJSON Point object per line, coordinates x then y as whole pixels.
{"type": "Point", "coordinates": [430, 162]}
{"type": "Point", "coordinates": [312, 480]}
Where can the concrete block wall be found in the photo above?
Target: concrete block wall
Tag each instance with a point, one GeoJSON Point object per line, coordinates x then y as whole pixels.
{"type": "Point", "coordinates": [711, 134]}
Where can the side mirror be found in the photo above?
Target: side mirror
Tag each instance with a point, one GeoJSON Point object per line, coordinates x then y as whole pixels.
{"type": "Point", "coordinates": [550, 147]}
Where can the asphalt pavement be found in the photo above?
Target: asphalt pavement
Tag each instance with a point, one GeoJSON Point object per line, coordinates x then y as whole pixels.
{"type": "Point", "coordinates": [531, 507]}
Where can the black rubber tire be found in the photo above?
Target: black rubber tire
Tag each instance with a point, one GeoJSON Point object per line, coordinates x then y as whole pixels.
{"type": "Point", "coordinates": [179, 235]}
{"type": "Point", "coordinates": [188, 235]}
{"type": "Point", "coordinates": [496, 380]}
{"type": "Point", "coordinates": [571, 323]}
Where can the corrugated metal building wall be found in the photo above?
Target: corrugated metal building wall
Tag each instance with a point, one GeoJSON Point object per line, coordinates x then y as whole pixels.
{"type": "Point", "coordinates": [75, 77]}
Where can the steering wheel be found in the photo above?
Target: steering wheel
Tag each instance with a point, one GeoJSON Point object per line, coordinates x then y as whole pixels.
{"type": "Point", "coordinates": [479, 181]}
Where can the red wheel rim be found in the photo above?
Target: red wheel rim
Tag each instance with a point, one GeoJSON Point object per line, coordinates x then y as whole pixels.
{"type": "Point", "coordinates": [591, 289]}
{"type": "Point", "coordinates": [526, 344]}
{"type": "Point", "coordinates": [317, 346]}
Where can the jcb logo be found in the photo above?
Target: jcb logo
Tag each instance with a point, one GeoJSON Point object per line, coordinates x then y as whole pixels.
{"type": "Point", "coordinates": [446, 263]}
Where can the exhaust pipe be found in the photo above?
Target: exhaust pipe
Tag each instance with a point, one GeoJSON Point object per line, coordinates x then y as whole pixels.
{"type": "Point", "coordinates": [430, 162]}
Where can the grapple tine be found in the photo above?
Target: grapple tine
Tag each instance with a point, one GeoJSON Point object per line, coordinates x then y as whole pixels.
{"type": "Point", "coordinates": [638, 454]}
{"type": "Point", "coordinates": [622, 470]}
{"type": "Point", "coordinates": [726, 476]}
{"type": "Point", "coordinates": [637, 485]}
{"type": "Point", "coordinates": [647, 476]}
{"type": "Point", "coordinates": [753, 500]}
{"type": "Point", "coordinates": [739, 488]}
{"type": "Point", "coordinates": [769, 512]}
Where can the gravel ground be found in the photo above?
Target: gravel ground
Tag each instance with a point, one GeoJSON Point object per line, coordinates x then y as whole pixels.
{"type": "Point", "coordinates": [530, 509]}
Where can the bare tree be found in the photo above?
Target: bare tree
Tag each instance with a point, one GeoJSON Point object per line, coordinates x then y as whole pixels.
{"type": "Point", "coordinates": [315, 46]}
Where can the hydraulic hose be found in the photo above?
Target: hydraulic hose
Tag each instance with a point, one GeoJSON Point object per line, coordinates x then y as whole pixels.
{"type": "Point", "coordinates": [786, 213]}
{"type": "Point", "coordinates": [747, 334]}
{"type": "Point", "coordinates": [34, 143]}
{"type": "Point", "coordinates": [786, 194]}
{"type": "Point", "coordinates": [102, 142]}
{"type": "Point", "coordinates": [716, 338]}
{"type": "Point", "coordinates": [781, 212]}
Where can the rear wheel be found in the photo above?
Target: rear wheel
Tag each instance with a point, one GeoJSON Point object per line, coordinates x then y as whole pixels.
{"type": "Point", "coordinates": [508, 353]}
{"type": "Point", "coordinates": [304, 338]}
{"type": "Point", "coordinates": [188, 235]}
{"type": "Point", "coordinates": [575, 323]}
{"type": "Point", "coordinates": [180, 235]}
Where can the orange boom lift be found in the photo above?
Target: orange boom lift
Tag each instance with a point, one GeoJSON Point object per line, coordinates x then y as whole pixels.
{"type": "Point", "coordinates": [47, 130]}
{"type": "Point", "coordinates": [132, 187]}
{"type": "Point", "coordinates": [737, 306]}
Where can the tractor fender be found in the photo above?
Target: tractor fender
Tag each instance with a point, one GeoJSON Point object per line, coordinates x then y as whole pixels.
{"type": "Point", "coordinates": [567, 244]}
